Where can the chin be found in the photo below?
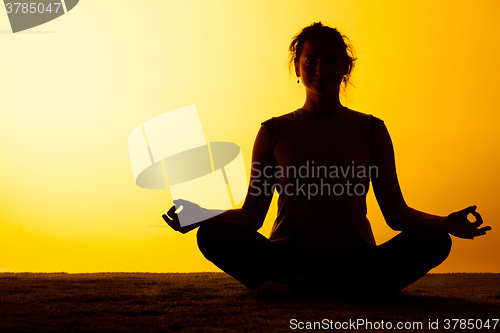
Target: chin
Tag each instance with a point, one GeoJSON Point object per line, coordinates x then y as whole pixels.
{"type": "Point", "coordinates": [325, 92]}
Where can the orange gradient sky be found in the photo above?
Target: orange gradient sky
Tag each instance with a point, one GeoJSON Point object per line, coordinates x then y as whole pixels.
{"type": "Point", "coordinates": [73, 89]}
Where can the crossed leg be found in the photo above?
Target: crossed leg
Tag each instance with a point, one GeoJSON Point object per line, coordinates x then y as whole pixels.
{"type": "Point", "coordinates": [244, 253]}
{"type": "Point", "coordinates": [388, 268]}
{"type": "Point", "coordinates": [383, 270]}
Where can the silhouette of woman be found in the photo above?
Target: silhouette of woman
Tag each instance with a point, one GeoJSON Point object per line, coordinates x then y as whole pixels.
{"type": "Point", "coordinates": [320, 159]}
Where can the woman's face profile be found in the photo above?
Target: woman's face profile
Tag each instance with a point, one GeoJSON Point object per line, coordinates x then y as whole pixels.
{"type": "Point", "coordinates": [320, 67]}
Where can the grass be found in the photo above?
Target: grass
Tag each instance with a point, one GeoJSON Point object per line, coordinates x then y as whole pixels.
{"type": "Point", "coordinates": [215, 302]}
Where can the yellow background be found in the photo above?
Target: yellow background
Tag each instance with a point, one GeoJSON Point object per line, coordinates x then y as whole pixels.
{"type": "Point", "coordinates": [73, 89]}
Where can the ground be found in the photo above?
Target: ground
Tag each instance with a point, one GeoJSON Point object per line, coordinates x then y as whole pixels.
{"type": "Point", "coordinates": [215, 302]}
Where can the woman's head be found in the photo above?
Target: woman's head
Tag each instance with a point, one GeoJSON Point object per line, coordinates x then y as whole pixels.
{"type": "Point", "coordinates": [331, 37]}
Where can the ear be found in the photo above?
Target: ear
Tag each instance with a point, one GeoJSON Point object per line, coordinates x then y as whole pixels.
{"type": "Point", "coordinates": [297, 71]}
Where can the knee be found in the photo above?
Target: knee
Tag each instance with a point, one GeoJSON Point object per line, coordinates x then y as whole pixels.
{"type": "Point", "coordinates": [440, 244]}
{"type": "Point", "coordinates": [442, 240]}
{"type": "Point", "coordinates": [215, 237]}
{"type": "Point", "coordinates": [446, 244]}
{"type": "Point", "coordinates": [206, 237]}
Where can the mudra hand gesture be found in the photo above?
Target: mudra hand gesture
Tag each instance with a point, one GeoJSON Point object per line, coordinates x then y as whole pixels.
{"type": "Point", "coordinates": [458, 225]}
{"type": "Point", "coordinates": [191, 213]}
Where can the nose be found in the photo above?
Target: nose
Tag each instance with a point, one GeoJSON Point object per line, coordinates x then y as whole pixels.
{"type": "Point", "coordinates": [320, 67]}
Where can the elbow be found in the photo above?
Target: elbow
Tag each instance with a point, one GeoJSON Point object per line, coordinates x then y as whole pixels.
{"type": "Point", "coordinates": [257, 226]}
{"type": "Point", "coordinates": [255, 222]}
{"type": "Point", "coordinates": [393, 223]}
{"type": "Point", "coordinates": [395, 226]}
{"type": "Point", "coordinates": [254, 215]}
{"type": "Point", "coordinates": [397, 221]}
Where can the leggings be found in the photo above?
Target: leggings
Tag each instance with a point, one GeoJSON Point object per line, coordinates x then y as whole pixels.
{"type": "Point", "coordinates": [377, 271]}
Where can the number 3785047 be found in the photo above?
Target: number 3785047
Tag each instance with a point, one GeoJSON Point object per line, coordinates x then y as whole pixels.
{"type": "Point", "coordinates": [31, 8]}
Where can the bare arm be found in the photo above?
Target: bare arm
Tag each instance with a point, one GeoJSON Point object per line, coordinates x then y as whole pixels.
{"type": "Point", "coordinates": [257, 201]}
{"type": "Point", "coordinates": [387, 190]}
{"type": "Point", "coordinates": [394, 208]}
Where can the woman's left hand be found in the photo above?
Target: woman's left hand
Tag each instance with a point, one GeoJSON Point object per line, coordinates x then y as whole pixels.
{"type": "Point", "coordinates": [458, 225]}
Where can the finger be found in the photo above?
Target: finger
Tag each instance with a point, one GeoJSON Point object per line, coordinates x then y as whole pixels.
{"type": "Point", "coordinates": [171, 213]}
{"type": "Point", "coordinates": [185, 203]}
{"type": "Point", "coordinates": [179, 209]}
{"type": "Point", "coordinates": [170, 222]}
{"type": "Point", "coordinates": [179, 202]}
{"type": "Point", "coordinates": [481, 231]}
{"type": "Point", "coordinates": [179, 205]}
{"type": "Point", "coordinates": [468, 210]}
{"type": "Point", "coordinates": [173, 226]}
{"type": "Point", "coordinates": [479, 219]}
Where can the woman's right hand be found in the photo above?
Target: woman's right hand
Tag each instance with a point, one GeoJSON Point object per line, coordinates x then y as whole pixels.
{"type": "Point", "coordinates": [190, 212]}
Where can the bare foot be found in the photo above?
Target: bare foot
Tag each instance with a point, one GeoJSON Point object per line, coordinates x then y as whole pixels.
{"type": "Point", "coordinates": [272, 289]}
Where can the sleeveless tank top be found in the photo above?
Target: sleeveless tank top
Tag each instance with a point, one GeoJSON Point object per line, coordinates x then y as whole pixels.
{"type": "Point", "coordinates": [322, 172]}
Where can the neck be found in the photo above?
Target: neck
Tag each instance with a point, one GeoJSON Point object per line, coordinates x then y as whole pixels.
{"type": "Point", "coordinates": [322, 103]}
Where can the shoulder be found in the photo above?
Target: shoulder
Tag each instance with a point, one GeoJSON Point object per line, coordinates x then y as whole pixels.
{"type": "Point", "coordinates": [289, 115]}
{"type": "Point", "coordinates": [369, 120]}
{"type": "Point", "coordinates": [286, 117]}
{"type": "Point", "coordinates": [270, 124]}
{"type": "Point", "coordinates": [360, 115]}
